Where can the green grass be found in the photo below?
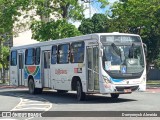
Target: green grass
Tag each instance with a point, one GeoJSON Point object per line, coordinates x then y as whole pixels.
{"type": "Point", "coordinates": [153, 82]}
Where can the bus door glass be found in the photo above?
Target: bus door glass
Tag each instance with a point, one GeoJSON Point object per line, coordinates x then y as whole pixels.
{"type": "Point", "coordinates": [20, 69]}
{"type": "Point", "coordinates": [93, 68]}
{"type": "Point", "coordinates": [46, 70]}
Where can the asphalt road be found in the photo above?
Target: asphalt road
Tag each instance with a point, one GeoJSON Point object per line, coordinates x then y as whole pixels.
{"type": "Point", "coordinates": [20, 100]}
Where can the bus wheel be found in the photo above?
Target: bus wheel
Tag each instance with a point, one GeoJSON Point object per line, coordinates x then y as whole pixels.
{"type": "Point", "coordinates": [80, 94]}
{"type": "Point", "coordinates": [31, 86]}
{"type": "Point", "coordinates": [114, 95]}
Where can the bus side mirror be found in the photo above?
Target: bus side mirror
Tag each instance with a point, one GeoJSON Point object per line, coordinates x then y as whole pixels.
{"type": "Point", "coordinates": [100, 52]}
{"type": "Point", "coordinates": [145, 49]}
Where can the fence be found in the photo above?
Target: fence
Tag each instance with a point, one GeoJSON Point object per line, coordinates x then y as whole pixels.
{"type": "Point", "coordinates": [154, 74]}
{"type": "Point", "coordinates": [6, 77]}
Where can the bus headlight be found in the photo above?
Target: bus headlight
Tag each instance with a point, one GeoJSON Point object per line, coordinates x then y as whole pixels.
{"type": "Point", "coordinates": [106, 79]}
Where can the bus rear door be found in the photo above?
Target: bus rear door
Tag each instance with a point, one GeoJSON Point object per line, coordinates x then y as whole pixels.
{"type": "Point", "coordinates": [46, 68]}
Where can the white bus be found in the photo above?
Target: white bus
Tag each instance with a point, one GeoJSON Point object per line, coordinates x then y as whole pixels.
{"type": "Point", "coordinates": [105, 63]}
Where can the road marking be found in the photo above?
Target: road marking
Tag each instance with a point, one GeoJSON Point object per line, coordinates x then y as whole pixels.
{"type": "Point", "coordinates": [14, 109]}
{"type": "Point", "coordinates": [32, 103]}
{"type": "Point", "coordinates": [8, 119]}
{"type": "Point", "coordinates": [30, 108]}
{"type": "Point", "coordinates": [24, 104]}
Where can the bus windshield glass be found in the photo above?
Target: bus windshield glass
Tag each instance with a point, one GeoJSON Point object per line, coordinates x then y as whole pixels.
{"type": "Point", "coordinates": [122, 56]}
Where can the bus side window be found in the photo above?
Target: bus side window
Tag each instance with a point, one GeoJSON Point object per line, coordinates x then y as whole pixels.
{"type": "Point", "coordinates": [37, 56]}
{"type": "Point", "coordinates": [77, 52]}
{"type": "Point", "coordinates": [71, 55]}
{"type": "Point", "coordinates": [29, 56]}
{"type": "Point", "coordinates": [13, 61]}
{"type": "Point", "coordinates": [63, 53]}
{"type": "Point", "coordinates": [54, 55]}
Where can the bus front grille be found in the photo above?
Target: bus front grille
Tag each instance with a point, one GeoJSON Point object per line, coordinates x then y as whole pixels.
{"type": "Point", "coordinates": [132, 88]}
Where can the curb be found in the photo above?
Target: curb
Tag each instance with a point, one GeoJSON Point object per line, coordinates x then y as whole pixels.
{"type": "Point", "coordinates": [152, 86]}
{"type": "Point", "coordinates": [9, 86]}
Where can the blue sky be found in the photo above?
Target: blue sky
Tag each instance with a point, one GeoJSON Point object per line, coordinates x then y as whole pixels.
{"type": "Point", "coordinates": [97, 5]}
{"type": "Point", "coordinates": [95, 8]}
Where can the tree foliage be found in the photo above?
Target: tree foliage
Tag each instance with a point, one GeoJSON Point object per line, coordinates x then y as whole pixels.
{"type": "Point", "coordinates": [68, 9]}
{"type": "Point", "coordinates": [140, 17]}
{"type": "Point", "coordinates": [9, 11]}
{"type": "Point", "coordinates": [53, 30]}
{"type": "Point", "coordinates": [58, 9]}
{"type": "Point", "coordinates": [5, 51]}
{"type": "Point", "coordinates": [97, 24]}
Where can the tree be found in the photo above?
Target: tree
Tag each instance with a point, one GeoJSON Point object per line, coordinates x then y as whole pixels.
{"type": "Point", "coordinates": [68, 9]}
{"type": "Point", "coordinates": [51, 29]}
{"type": "Point", "coordinates": [4, 61]}
{"type": "Point", "coordinates": [139, 17]}
{"type": "Point", "coordinates": [63, 10]}
{"type": "Point", "coordinates": [97, 24]}
{"type": "Point", "coordinates": [9, 11]}
{"type": "Point", "coordinates": [87, 26]}
{"type": "Point", "coordinates": [42, 31]}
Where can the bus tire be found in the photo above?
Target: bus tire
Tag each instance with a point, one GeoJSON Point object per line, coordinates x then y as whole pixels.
{"type": "Point", "coordinates": [31, 86]}
{"type": "Point", "coordinates": [114, 95]}
{"type": "Point", "coordinates": [80, 94]}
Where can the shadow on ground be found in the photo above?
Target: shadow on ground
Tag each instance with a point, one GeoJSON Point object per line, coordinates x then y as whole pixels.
{"type": "Point", "coordinates": [63, 98]}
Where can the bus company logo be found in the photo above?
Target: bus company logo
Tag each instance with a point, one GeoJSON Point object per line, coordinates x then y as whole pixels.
{"type": "Point", "coordinates": [32, 70]}
{"type": "Point", "coordinates": [59, 71]}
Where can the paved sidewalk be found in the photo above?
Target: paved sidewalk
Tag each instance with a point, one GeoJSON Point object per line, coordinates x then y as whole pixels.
{"type": "Point", "coordinates": [153, 88]}
{"type": "Point", "coordinates": [4, 86]}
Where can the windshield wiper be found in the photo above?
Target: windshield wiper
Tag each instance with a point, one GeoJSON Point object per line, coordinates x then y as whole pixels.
{"type": "Point", "coordinates": [131, 51]}
{"type": "Point", "coordinates": [117, 50]}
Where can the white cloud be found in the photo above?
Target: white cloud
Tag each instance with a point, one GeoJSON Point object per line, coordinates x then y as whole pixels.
{"type": "Point", "coordinates": [90, 12]}
{"type": "Point", "coordinates": [76, 23]}
{"type": "Point", "coordinates": [112, 1]}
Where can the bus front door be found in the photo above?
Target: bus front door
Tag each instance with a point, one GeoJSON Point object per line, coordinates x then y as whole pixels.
{"type": "Point", "coordinates": [20, 69]}
{"type": "Point", "coordinates": [93, 68]}
{"type": "Point", "coordinates": [46, 70]}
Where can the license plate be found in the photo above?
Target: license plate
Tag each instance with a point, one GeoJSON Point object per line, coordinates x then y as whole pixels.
{"type": "Point", "coordinates": [127, 90]}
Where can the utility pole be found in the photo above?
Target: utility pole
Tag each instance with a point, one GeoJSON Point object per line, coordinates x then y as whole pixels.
{"type": "Point", "coordinates": [89, 2]}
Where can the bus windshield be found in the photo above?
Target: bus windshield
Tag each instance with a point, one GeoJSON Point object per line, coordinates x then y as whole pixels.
{"type": "Point", "coordinates": [122, 57]}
